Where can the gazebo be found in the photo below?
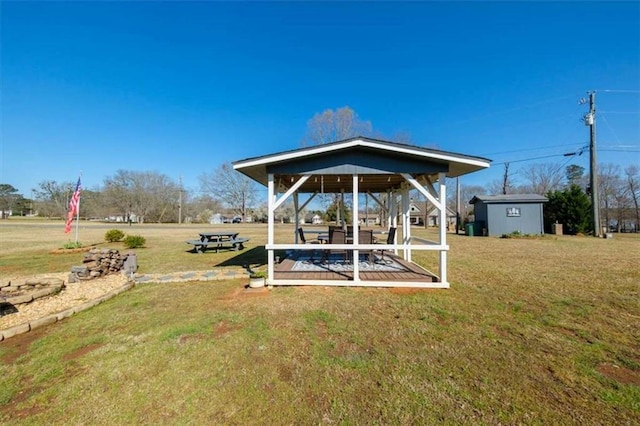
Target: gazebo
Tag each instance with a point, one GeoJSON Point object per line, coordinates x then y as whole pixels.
{"type": "Point", "coordinates": [361, 166]}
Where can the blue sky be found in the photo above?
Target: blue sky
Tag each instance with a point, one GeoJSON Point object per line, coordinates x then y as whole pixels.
{"type": "Point", "coordinates": [179, 88]}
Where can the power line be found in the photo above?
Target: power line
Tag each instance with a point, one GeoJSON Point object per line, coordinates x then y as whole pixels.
{"type": "Point", "coordinates": [528, 149]}
{"type": "Point", "coordinates": [611, 128]}
{"type": "Point", "coordinates": [569, 159]}
{"type": "Point", "coordinates": [619, 112]}
{"type": "Point", "coordinates": [530, 159]}
{"type": "Point", "coordinates": [619, 91]}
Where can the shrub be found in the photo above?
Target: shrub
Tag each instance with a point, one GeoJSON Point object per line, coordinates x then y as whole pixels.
{"type": "Point", "coordinates": [72, 245]}
{"type": "Point", "coordinates": [134, 241]}
{"type": "Point", "coordinates": [258, 274]}
{"type": "Point", "coordinates": [113, 235]}
{"type": "Point", "coordinates": [513, 234]}
{"type": "Point", "coordinates": [572, 208]}
{"type": "Point", "coordinates": [516, 234]}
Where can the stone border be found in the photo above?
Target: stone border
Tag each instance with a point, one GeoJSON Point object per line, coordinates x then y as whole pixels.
{"type": "Point", "coordinates": [36, 290]}
{"type": "Point", "coordinates": [137, 279]}
{"type": "Point", "coordinates": [52, 318]}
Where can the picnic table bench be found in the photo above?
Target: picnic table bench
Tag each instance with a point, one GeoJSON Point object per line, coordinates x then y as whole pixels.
{"type": "Point", "coordinates": [218, 240]}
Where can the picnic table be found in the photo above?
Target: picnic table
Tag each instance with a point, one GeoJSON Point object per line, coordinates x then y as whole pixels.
{"type": "Point", "coordinates": [218, 240]}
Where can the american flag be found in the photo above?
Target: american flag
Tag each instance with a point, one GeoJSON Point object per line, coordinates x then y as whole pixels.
{"type": "Point", "coordinates": [74, 205]}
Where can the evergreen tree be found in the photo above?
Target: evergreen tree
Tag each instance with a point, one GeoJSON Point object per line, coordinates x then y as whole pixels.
{"type": "Point", "coordinates": [570, 207]}
{"type": "Point", "coordinates": [574, 174]}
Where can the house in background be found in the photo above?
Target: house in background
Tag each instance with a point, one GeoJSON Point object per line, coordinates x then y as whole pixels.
{"type": "Point", "coordinates": [368, 219]}
{"type": "Point", "coordinates": [314, 219]}
{"type": "Point", "coordinates": [417, 215]}
{"type": "Point", "coordinates": [217, 218]}
{"type": "Point", "coordinates": [496, 215]}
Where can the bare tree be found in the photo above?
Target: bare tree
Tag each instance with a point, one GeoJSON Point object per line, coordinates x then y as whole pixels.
{"type": "Point", "coordinates": [631, 174]}
{"type": "Point", "coordinates": [91, 205]}
{"type": "Point", "coordinates": [118, 194]}
{"type": "Point", "coordinates": [150, 196]}
{"type": "Point", "coordinates": [158, 195]}
{"type": "Point", "coordinates": [609, 187]}
{"type": "Point", "coordinates": [622, 205]}
{"type": "Point", "coordinates": [541, 178]}
{"type": "Point", "coordinates": [330, 126]}
{"type": "Point", "coordinates": [285, 212]}
{"type": "Point", "coordinates": [503, 185]}
{"type": "Point", "coordinates": [8, 197]}
{"type": "Point", "coordinates": [201, 209]}
{"type": "Point", "coordinates": [53, 198]}
{"type": "Point", "coordinates": [505, 179]}
{"type": "Point", "coordinates": [260, 213]}
{"type": "Point", "coordinates": [235, 190]}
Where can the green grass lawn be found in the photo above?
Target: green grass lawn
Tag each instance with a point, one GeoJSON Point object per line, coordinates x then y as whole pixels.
{"type": "Point", "coordinates": [532, 331]}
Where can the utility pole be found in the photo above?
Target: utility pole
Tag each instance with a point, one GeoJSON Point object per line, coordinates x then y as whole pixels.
{"type": "Point", "coordinates": [505, 179]}
{"type": "Point", "coordinates": [457, 204]}
{"type": "Point", "coordinates": [590, 120]}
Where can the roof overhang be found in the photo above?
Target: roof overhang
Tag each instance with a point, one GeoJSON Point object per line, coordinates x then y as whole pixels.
{"type": "Point", "coordinates": [379, 165]}
{"type": "Point", "coordinates": [509, 198]}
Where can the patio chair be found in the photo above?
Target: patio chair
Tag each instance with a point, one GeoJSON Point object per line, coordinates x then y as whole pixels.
{"type": "Point", "coordinates": [365, 236]}
{"type": "Point", "coordinates": [333, 228]}
{"type": "Point", "coordinates": [301, 236]}
{"type": "Point", "coordinates": [349, 229]}
{"type": "Point", "coordinates": [305, 241]}
{"type": "Point", "coordinates": [339, 236]}
{"type": "Point", "coordinates": [391, 238]}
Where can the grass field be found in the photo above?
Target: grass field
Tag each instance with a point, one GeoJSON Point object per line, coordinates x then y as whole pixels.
{"type": "Point", "coordinates": [532, 331]}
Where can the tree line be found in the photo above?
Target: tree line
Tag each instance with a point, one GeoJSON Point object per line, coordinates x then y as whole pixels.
{"type": "Point", "coordinates": [569, 193]}
{"type": "Point", "coordinates": [155, 197]}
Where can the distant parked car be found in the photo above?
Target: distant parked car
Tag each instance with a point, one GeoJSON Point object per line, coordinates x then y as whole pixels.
{"type": "Point", "coordinates": [237, 220]}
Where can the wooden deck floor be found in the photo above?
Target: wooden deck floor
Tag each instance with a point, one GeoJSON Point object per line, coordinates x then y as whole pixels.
{"type": "Point", "coordinates": [410, 273]}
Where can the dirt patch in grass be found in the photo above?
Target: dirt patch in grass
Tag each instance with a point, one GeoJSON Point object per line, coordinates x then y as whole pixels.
{"type": "Point", "coordinates": [19, 345]}
{"type": "Point", "coordinates": [185, 338]}
{"type": "Point", "coordinates": [82, 351]}
{"type": "Point", "coordinates": [223, 328]}
{"type": "Point", "coordinates": [619, 374]}
{"type": "Point", "coordinates": [19, 398]}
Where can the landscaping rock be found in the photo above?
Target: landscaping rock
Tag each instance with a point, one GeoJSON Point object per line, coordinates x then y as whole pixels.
{"type": "Point", "coordinates": [41, 322]}
{"type": "Point", "coordinates": [100, 262]}
{"type": "Point", "coordinates": [15, 330]}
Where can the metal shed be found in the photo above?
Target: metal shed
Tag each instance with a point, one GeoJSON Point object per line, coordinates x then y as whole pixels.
{"type": "Point", "coordinates": [504, 214]}
{"type": "Point", "coordinates": [357, 166]}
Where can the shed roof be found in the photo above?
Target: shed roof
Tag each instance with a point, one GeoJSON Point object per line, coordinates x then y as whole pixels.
{"type": "Point", "coordinates": [379, 163]}
{"type": "Point", "coordinates": [509, 198]}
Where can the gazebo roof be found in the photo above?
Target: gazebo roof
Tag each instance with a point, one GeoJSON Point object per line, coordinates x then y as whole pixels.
{"type": "Point", "coordinates": [378, 163]}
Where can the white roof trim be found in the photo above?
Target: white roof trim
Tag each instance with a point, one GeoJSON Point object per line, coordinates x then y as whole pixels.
{"type": "Point", "coordinates": [354, 143]}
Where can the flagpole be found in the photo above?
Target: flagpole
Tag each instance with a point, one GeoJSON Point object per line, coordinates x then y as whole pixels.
{"type": "Point", "coordinates": [78, 211]}
{"type": "Point", "coordinates": [77, 220]}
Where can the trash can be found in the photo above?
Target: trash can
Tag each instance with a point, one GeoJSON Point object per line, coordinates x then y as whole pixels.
{"type": "Point", "coordinates": [468, 229]}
